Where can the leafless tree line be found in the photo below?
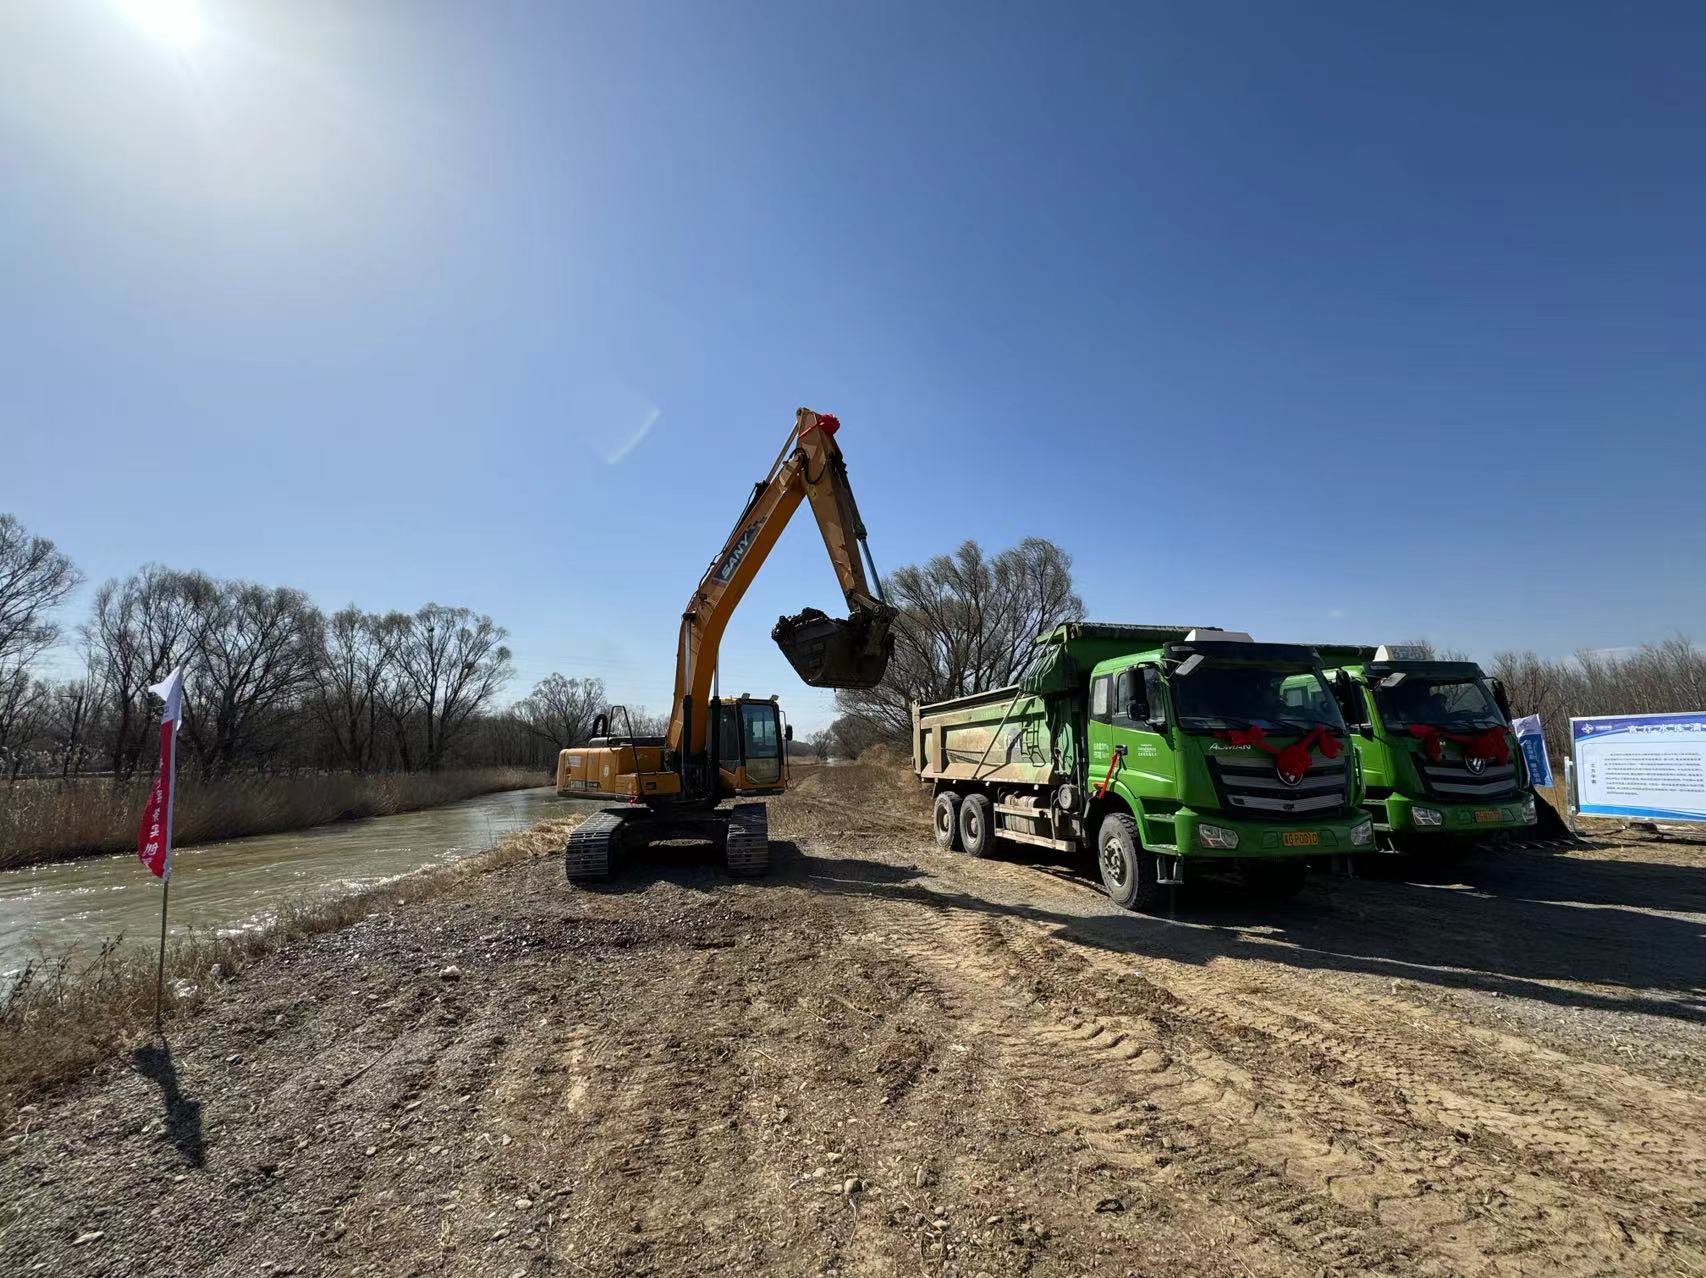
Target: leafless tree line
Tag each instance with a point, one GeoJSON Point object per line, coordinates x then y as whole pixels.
{"type": "Point", "coordinates": [1661, 678]}
{"type": "Point", "coordinates": [968, 622]}
{"type": "Point", "coordinates": [274, 683]}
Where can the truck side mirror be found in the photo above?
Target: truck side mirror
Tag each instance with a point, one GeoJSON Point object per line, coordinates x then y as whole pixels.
{"type": "Point", "coordinates": [1501, 698]}
{"type": "Point", "coordinates": [1155, 698]}
{"type": "Point", "coordinates": [601, 726]}
{"type": "Point", "coordinates": [787, 732]}
{"type": "Point", "coordinates": [1349, 697]}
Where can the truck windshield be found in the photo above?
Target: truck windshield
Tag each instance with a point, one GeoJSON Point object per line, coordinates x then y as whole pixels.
{"type": "Point", "coordinates": [1218, 697]}
{"type": "Point", "coordinates": [1454, 704]}
{"type": "Point", "coordinates": [759, 737]}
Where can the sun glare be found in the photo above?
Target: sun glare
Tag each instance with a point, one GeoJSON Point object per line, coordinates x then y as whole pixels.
{"type": "Point", "coordinates": [172, 22]}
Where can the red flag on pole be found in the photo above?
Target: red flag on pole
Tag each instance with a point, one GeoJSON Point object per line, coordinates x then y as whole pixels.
{"type": "Point", "coordinates": [154, 836]}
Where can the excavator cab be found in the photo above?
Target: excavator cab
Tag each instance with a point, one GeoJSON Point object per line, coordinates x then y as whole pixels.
{"type": "Point", "coordinates": [749, 743]}
{"type": "Point", "coordinates": [832, 652]}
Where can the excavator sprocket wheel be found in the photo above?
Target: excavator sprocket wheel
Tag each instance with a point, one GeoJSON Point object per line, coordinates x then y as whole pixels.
{"type": "Point", "coordinates": [746, 848]}
{"type": "Point", "coordinates": [592, 844]}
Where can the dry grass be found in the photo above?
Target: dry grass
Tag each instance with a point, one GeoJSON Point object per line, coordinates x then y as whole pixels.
{"type": "Point", "coordinates": [57, 821]}
{"type": "Point", "coordinates": [876, 793]}
{"type": "Point", "coordinates": [60, 1018]}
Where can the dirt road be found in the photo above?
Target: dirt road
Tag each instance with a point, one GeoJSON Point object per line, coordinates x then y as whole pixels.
{"type": "Point", "coordinates": [885, 1059]}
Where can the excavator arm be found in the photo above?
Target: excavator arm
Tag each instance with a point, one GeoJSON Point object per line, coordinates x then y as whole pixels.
{"type": "Point", "coordinates": [827, 652]}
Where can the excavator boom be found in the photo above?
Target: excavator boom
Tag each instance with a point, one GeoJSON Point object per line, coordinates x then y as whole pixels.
{"type": "Point", "coordinates": [826, 652]}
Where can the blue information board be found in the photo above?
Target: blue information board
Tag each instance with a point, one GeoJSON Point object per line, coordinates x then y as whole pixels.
{"type": "Point", "coordinates": [1650, 766]}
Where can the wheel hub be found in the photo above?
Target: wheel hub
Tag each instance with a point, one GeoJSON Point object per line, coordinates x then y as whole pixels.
{"type": "Point", "coordinates": [1113, 863]}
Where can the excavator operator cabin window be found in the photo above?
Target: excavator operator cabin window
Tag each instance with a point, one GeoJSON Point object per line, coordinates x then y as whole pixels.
{"type": "Point", "coordinates": [759, 736]}
{"type": "Point", "coordinates": [728, 735]}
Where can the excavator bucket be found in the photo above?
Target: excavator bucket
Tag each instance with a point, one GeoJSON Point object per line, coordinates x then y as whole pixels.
{"type": "Point", "coordinates": [830, 652]}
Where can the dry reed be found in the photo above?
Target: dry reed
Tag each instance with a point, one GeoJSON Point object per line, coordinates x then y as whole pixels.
{"type": "Point", "coordinates": [59, 820]}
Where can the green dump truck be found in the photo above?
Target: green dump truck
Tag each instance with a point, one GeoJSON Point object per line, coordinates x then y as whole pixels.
{"type": "Point", "coordinates": [1442, 769]}
{"type": "Point", "coordinates": [1159, 748]}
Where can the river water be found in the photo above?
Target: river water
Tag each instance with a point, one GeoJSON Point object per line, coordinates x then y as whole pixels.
{"type": "Point", "coordinates": [240, 883]}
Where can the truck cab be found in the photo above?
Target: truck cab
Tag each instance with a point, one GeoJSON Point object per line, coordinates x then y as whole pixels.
{"type": "Point", "coordinates": [1223, 748]}
{"type": "Point", "coordinates": [1162, 750]}
{"type": "Point", "coordinates": [1441, 766]}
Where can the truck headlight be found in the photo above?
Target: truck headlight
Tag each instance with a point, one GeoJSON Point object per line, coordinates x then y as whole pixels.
{"type": "Point", "coordinates": [1427, 816]}
{"type": "Point", "coordinates": [1362, 835]}
{"type": "Point", "coordinates": [1528, 813]}
{"type": "Point", "coordinates": [1216, 836]}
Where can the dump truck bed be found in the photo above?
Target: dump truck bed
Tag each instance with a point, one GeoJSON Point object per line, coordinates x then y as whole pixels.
{"type": "Point", "coordinates": [995, 736]}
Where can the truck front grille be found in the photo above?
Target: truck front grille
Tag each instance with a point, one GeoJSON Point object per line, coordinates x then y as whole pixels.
{"type": "Point", "coordinates": [1250, 787]}
{"type": "Point", "coordinates": [1452, 781]}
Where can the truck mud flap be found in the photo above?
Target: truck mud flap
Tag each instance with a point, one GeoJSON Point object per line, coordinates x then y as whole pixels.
{"type": "Point", "coordinates": [832, 652]}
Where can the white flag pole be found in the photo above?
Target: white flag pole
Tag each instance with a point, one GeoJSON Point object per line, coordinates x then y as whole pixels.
{"type": "Point", "coordinates": [154, 839]}
{"type": "Point", "coordinates": [170, 766]}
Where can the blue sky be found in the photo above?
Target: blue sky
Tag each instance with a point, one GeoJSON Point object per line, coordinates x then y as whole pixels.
{"type": "Point", "coordinates": [1316, 320]}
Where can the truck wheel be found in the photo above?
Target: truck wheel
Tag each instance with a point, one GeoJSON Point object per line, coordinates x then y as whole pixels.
{"type": "Point", "coordinates": [977, 824]}
{"type": "Point", "coordinates": [1274, 880]}
{"type": "Point", "coordinates": [946, 818]}
{"type": "Point", "coordinates": [1128, 872]}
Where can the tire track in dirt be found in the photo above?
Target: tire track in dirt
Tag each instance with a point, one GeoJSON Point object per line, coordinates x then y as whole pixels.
{"type": "Point", "coordinates": [1554, 1118]}
{"type": "Point", "coordinates": [1281, 1146]}
{"type": "Point", "coordinates": [1587, 1118]}
{"type": "Point", "coordinates": [1124, 1106]}
{"type": "Point", "coordinates": [648, 1106]}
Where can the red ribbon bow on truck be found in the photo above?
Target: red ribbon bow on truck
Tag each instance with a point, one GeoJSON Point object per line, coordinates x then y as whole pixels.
{"type": "Point", "coordinates": [1292, 760]}
{"type": "Point", "coordinates": [1488, 744]}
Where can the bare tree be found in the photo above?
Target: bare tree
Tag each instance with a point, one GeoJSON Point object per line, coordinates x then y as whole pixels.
{"type": "Point", "coordinates": [23, 718]}
{"type": "Point", "coordinates": [140, 628]}
{"type": "Point", "coordinates": [649, 723]}
{"type": "Point", "coordinates": [35, 578]}
{"type": "Point", "coordinates": [452, 664]}
{"type": "Point", "coordinates": [852, 735]}
{"type": "Point", "coordinates": [1428, 650]}
{"type": "Point", "coordinates": [967, 622]}
{"type": "Point", "coordinates": [75, 718]}
{"type": "Point", "coordinates": [560, 711]}
{"type": "Point", "coordinates": [356, 658]}
{"type": "Point", "coordinates": [822, 743]}
{"type": "Point", "coordinates": [254, 657]}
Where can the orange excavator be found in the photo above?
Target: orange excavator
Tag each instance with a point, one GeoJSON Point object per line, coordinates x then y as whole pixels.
{"type": "Point", "coordinates": [690, 782]}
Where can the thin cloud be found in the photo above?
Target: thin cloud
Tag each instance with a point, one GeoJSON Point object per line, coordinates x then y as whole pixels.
{"type": "Point", "coordinates": [614, 455]}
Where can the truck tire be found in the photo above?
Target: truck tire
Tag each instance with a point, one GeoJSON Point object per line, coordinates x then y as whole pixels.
{"type": "Point", "coordinates": [1128, 873]}
{"type": "Point", "coordinates": [1274, 880]}
{"type": "Point", "coordinates": [946, 818]}
{"type": "Point", "coordinates": [977, 825]}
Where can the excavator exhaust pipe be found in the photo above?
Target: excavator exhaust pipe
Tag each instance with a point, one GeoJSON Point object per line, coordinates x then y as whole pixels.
{"type": "Point", "coordinates": [830, 652]}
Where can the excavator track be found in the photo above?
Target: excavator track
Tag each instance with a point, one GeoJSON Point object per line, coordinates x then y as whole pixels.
{"type": "Point", "coordinates": [587, 854]}
{"type": "Point", "coordinates": [746, 847]}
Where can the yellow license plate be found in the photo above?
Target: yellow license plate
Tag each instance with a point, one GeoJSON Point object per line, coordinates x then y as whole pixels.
{"type": "Point", "coordinates": [1483, 815]}
{"type": "Point", "coordinates": [1301, 838]}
